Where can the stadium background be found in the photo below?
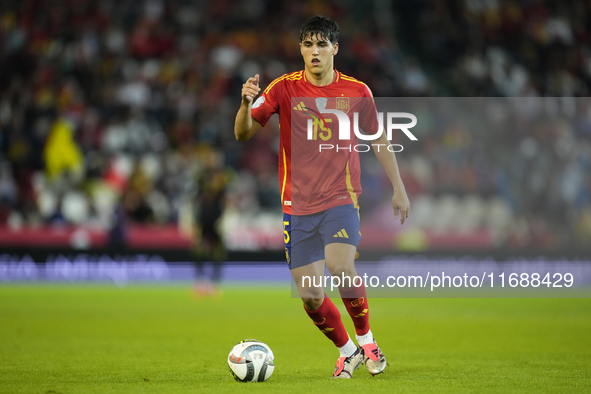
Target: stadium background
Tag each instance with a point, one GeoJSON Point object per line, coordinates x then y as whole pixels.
{"type": "Point", "coordinates": [116, 120]}
{"type": "Point", "coordinates": [116, 139]}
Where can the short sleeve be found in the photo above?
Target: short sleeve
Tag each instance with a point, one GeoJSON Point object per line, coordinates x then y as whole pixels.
{"type": "Point", "coordinates": [369, 122]}
{"type": "Point", "coordinates": [267, 104]}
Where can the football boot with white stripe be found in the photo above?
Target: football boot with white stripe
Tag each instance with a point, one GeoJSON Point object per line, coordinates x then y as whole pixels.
{"type": "Point", "coordinates": [346, 365]}
{"type": "Point", "coordinates": [374, 359]}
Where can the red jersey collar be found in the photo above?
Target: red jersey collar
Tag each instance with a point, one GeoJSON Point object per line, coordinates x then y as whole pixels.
{"type": "Point", "coordinates": [336, 79]}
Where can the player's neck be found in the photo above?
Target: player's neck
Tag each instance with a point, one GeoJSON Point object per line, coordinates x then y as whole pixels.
{"type": "Point", "coordinates": [321, 79]}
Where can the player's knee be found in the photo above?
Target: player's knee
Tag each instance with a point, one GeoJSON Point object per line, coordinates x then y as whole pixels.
{"type": "Point", "coordinates": [343, 271]}
{"type": "Point", "coordinates": [313, 304]}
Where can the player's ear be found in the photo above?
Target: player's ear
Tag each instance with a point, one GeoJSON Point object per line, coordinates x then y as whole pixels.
{"type": "Point", "coordinates": [301, 49]}
{"type": "Point", "coordinates": [335, 48]}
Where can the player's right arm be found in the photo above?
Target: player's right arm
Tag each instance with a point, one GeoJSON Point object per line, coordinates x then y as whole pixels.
{"type": "Point", "coordinates": [245, 125]}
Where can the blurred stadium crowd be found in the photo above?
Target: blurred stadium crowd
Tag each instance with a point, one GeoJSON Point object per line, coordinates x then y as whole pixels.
{"type": "Point", "coordinates": [122, 111]}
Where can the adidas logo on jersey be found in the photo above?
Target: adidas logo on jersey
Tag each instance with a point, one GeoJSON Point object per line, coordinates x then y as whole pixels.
{"type": "Point", "coordinates": [300, 107]}
{"type": "Point", "coordinates": [341, 234]}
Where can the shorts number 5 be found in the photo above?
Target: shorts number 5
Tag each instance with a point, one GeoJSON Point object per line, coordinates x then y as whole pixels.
{"type": "Point", "coordinates": [285, 232]}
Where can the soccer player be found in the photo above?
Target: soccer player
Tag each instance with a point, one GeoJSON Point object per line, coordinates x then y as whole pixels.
{"type": "Point", "coordinates": [321, 218]}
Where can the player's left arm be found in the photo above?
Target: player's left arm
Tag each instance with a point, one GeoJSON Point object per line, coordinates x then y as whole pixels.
{"type": "Point", "coordinates": [387, 159]}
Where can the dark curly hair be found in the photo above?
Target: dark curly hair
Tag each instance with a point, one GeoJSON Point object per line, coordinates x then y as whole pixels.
{"type": "Point", "coordinates": [321, 27]}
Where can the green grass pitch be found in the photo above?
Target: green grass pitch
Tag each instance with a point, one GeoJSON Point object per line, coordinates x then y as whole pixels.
{"type": "Point", "coordinates": [160, 339]}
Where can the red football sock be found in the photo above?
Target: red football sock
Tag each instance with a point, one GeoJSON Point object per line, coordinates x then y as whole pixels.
{"type": "Point", "coordinates": [355, 300]}
{"type": "Point", "coordinates": [328, 319]}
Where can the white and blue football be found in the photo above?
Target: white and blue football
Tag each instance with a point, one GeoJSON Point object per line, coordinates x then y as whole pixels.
{"type": "Point", "coordinates": [251, 361]}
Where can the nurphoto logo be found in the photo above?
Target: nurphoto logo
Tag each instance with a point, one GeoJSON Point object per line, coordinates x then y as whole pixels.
{"type": "Point", "coordinates": [345, 126]}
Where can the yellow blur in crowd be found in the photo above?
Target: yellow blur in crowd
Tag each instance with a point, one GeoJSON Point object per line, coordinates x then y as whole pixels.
{"type": "Point", "coordinates": [61, 152]}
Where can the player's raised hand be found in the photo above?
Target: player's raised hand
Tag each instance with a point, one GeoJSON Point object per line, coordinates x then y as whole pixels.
{"type": "Point", "coordinates": [401, 205]}
{"type": "Point", "coordinates": [250, 89]}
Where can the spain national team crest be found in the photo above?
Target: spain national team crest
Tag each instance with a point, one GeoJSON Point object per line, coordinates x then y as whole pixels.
{"type": "Point", "coordinates": [357, 302]}
{"type": "Point", "coordinates": [342, 104]}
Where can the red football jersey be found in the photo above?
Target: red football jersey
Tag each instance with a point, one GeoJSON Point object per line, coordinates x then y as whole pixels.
{"type": "Point", "coordinates": [313, 176]}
